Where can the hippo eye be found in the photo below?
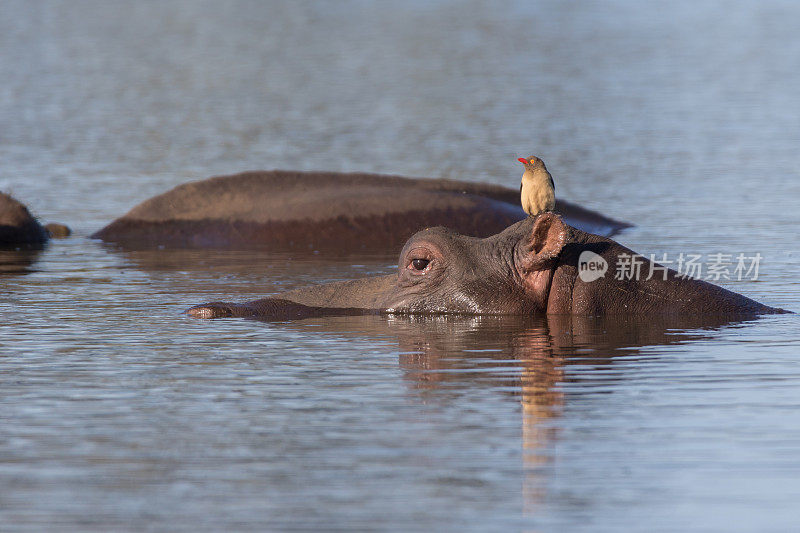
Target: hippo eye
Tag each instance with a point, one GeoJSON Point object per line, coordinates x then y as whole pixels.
{"type": "Point", "coordinates": [420, 264]}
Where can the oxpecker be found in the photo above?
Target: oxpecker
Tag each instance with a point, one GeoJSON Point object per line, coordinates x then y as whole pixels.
{"type": "Point", "coordinates": [537, 190]}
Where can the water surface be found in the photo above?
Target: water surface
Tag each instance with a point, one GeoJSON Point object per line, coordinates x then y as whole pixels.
{"type": "Point", "coordinates": [120, 413]}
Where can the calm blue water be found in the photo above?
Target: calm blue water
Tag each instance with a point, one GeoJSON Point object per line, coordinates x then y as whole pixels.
{"type": "Point", "coordinates": [120, 413]}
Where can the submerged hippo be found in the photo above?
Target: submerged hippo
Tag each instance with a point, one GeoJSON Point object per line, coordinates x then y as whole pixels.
{"type": "Point", "coordinates": [529, 268]}
{"type": "Point", "coordinates": [324, 211]}
{"type": "Point", "coordinates": [20, 229]}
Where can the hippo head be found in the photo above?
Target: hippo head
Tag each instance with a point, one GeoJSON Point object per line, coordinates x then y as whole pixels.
{"type": "Point", "coordinates": [440, 271]}
{"type": "Point", "coordinates": [529, 268]}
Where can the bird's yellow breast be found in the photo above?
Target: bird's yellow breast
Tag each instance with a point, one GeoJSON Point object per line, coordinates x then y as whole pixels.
{"type": "Point", "coordinates": [537, 193]}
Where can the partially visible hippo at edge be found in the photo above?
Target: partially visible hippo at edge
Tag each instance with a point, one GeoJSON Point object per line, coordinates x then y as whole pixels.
{"type": "Point", "coordinates": [530, 268]}
{"type": "Point", "coordinates": [324, 210]}
{"type": "Point", "coordinates": [20, 229]}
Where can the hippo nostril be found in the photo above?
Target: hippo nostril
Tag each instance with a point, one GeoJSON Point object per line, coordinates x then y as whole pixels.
{"type": "Point", "coordinates": [420, 264]}
{"type": "Point", "coordinates": [200, 312]}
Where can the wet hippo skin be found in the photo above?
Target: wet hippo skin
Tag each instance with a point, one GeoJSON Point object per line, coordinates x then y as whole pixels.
{"type": "Point", "coordinates": [18, 228]}
{"type": "Point", "coordinates": [530, 268]}
{"type": "Point", "coordinates": [324, 211]}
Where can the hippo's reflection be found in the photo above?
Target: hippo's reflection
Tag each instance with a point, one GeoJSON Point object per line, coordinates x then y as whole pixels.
{"type": "Point", "coordinates": [524, 357]}
{"type": "Point", "coordinates": [18, 261]}
{"type": "Point", "coordinates": [431, 358]}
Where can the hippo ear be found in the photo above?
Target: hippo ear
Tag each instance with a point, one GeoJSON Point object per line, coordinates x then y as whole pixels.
{"type": "Point", "coordinates": [541, 248]}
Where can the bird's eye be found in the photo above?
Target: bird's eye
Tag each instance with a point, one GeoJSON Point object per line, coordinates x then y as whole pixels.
{"type": "Point", "coordinates": [420, 264]}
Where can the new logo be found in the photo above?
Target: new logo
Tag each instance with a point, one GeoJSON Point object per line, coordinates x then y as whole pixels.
{"type": "Point", "coordinates": [591, 266]}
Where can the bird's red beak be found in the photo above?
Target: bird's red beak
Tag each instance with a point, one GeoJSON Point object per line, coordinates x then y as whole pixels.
{"type": "Point", "coordinates": [523, 160]}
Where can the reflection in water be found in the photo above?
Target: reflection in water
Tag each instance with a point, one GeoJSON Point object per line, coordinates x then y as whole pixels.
{"type": "Point", "coordinates": [258, 261]}
{"type": "Point", "coordinates": [542, 371]}
{"type": "Point", "coordinates": [120, 413]}
{"type": "Point", "coordinates": [528, 357]}
{"type": "Point", "coordinates": [17, 261]}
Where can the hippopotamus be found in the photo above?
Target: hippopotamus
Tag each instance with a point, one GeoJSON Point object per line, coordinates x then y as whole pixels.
{"type": "Point", "coordinates": [20, 229]}
{"type": "Point", "coordinates": [530, 268]}
{"type": "Point", "coordinates": [324, 211]}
